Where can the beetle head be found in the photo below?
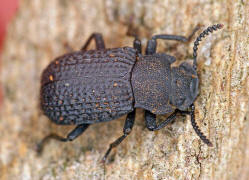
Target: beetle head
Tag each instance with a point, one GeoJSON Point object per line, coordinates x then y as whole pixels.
{"type": "Point", "coordinates": [184, 86]}
{"type": "Point", "coordinates": [184, 83]}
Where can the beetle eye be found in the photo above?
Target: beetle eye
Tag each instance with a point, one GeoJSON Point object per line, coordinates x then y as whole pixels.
{"type": "Point", "coordinates": [180, 101]}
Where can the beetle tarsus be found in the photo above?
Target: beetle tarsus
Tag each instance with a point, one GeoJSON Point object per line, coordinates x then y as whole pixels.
{"type": "Point", "coordinates": [70, 137]}
{"type": "Point", "coordinates": [40, 146]}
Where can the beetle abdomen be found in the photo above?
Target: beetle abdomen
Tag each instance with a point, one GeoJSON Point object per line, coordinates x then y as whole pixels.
{"type": "Point", "coordinates": [88, 86]}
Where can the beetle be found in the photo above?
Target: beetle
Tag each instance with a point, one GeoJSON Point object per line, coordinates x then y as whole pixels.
{"type": "Point", "coordinates": [91, 86]}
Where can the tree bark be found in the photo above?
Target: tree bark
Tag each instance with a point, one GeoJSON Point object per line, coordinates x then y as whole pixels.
{"type": "Point", "coordinates": [39, 33]}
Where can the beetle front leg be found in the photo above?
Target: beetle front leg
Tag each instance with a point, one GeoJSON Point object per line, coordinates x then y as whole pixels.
{"type": "Point", "coordinates": [129, 122]}
{"type": "Point", "coordinates": [152, 43]}
{"type": "Point", "coordinates": [150, 120]}
{"type": "Point", "coordinates": [100, 44]}
{"type": "Point", "coordinates": [71, 136]}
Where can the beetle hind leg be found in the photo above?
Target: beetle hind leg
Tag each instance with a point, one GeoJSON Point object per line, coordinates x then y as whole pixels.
{"type": "Point", "coordinates": [99, 41]}
{"type": "Point", "coordinates": [71, 136]}
{"type": "Point", "coordinates": [129, 122]}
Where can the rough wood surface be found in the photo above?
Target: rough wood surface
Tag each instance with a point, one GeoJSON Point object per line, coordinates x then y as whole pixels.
{"type": "Point", "coordinates": [39, 33]}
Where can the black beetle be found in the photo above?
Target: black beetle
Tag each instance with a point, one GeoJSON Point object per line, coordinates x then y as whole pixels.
{"type": "Point", "coordinates": [91, 86]}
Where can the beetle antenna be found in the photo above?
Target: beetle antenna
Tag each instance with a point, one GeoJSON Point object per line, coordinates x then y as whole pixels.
{"type": "Point", "coordinates": [210, 29]}
{"type": "Point", "coordinates": [196, 127]}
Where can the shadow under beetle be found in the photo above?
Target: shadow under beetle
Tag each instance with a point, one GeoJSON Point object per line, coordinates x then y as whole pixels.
{"type": "Point", "coordinates": [91, 86]}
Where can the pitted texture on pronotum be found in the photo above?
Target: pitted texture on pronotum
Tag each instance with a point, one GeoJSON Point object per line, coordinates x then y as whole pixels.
{"type": "Point", "coordinates": [151, 82]}
{"type": "Point", "coordinates": [88, 86]}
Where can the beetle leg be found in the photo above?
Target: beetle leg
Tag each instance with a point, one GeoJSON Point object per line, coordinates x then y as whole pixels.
{"type": "Point", "coordinates": [151, 124]}
{"type": "Point", "coordinates": [150, 120]}
{"type": "Point", "coordinates": [137, 45]}
{"type": "Point", "coordinates": [152, 43]}
{"type": "Point", "coordinates": [129, 122]}
{"type": "Point", "coordinates": [100, 44]}
{"type": "Point", "coordinates": [71, 136]}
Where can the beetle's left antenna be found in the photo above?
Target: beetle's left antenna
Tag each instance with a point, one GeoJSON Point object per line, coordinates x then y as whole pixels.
{"type": "Point", "coordinates": [206, 32]}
